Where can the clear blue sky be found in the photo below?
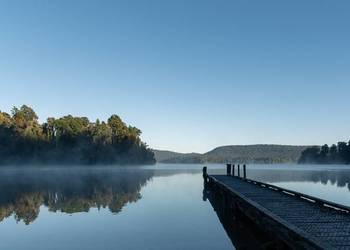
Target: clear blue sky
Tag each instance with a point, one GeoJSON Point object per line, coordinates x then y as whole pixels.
{"type": "Point", "coordinates": [191, 75]}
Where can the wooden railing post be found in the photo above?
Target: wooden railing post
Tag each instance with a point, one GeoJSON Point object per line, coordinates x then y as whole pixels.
{"type": "Point", "coordinates": [228, 169]}
{"type": "Point", "coordinates": [238, 171]}
{"type": "Point", "coordinates": [244, 172]}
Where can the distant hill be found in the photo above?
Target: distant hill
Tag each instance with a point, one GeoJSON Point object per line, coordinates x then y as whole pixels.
{"type": "Point", "coordinates": [260, 153]}
{"type": "Point", "coordinates": [174, 157]}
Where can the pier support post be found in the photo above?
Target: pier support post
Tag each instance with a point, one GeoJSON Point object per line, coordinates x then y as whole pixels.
{"type": "Point", "coordinates": [228, 169]}
{"type": "Point", "coordinates": [205, 174]}
{"type": "Point", "coordinates": [233, 169]}
{"type": "Point", "coordinates": [244, 172]}
{"type": "Point", "coordinates": [238, 171]}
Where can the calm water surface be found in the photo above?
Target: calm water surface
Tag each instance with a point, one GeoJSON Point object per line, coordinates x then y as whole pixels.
{"type": "Point", "coordinates": [152, 207]}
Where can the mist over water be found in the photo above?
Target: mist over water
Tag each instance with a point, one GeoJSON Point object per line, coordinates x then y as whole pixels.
{"type": "Point", "coordinates": [148, 207]}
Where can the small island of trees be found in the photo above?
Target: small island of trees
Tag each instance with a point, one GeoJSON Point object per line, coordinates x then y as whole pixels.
{"type": "Point", "coordinates": [335, 154]}
{"type": "Point", "coordinates": [69, 140]}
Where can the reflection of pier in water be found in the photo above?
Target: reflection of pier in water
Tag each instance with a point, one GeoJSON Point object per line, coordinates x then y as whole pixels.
{"type": "Point", "coordinates": [243, 233]}
{"type": "Point", "coordinates": [292, 219]}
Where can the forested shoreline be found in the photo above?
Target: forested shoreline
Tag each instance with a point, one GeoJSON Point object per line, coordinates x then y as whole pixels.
{"type": "Point", "coordinates": [335, 154]}
{"type": "Point", "coordinates": [69, 140]}
{"type": "Point", "coordinates": [76, 140]}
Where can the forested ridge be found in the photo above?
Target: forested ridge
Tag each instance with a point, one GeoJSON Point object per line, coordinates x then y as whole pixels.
{"type": "Point", "coordinates": [336, 154]}
{"type": "Point", "coordinates": [69, 140]}
{"type": "Point", "coordinates": [260, 153]}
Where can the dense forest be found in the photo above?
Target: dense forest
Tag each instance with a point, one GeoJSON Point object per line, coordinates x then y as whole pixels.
{"type": "Point", "coordinates": [335, 154]}
{"type": "Point", "coordinates": [69, 140]}
{"type": "Point", "coordinates": [260, 153]}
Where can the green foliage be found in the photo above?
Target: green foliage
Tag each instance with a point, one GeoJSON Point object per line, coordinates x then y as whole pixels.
{"type": "Point", "coordinates": [69, 140]}
{"type": "Point", "coordinates": [339, 153]}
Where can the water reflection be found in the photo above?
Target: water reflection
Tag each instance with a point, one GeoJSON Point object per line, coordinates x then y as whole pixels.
{"type": "Point", "coordinates": [22, 192]}
{"type": "Point", "coordinates": [338, 177]}
{"type": "Point", "coordinates": [170, 215]}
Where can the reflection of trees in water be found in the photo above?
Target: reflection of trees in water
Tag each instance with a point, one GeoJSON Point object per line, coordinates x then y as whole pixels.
{"type": "Point", "coordinates": [341, 178]}
{"type": "Point", "coordinates": [22, 193]}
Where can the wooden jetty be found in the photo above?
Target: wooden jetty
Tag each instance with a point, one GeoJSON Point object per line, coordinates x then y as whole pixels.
{"type": "Point", "coordinates": [293, 219]}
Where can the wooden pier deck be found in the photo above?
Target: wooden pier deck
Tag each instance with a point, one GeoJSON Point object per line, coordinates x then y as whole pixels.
{"type": "Point", "coordinates": [297, 220]}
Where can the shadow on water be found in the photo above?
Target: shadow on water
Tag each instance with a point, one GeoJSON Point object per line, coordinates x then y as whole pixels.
{"type": "Point", "coordinates": [243, 233]}
{"type": "Point", "coordinates": [68, 191]}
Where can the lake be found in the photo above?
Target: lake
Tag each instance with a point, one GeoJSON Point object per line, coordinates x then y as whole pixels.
{"type": "Point", "coordinates": [148, 207]}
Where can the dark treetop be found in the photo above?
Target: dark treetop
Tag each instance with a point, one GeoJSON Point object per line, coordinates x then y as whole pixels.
{"type": "Point", "coordinates": [69, 140]}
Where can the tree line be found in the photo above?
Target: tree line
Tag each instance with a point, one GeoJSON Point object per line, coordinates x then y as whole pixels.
{"type": "Point", "coordinates": [69, 140]}
{"type": "Point", "coordinates": [339, 154]}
